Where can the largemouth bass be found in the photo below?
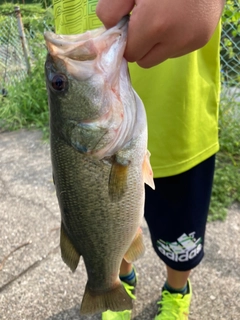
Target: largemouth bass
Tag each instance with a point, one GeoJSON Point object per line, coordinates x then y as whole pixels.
{"type": "Point", "coordinates": [100, 162]}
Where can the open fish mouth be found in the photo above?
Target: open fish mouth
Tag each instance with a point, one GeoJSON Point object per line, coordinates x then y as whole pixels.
{"type": "Point", "coordinates": [80, 47]}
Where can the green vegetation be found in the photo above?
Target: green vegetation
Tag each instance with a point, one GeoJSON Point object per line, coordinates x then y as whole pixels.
{"type": "Point", "coordinates": [34, 16]}
{"type": "Point", "coordinates": [226, 187]}
{"type": "Point", "coordinates": [230, 42]}
{"type": "Point", "coordinates": [26, 102]}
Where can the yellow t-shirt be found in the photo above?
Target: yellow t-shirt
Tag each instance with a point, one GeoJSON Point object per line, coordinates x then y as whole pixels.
{"type": "Point", "coordinates": [181, 95]}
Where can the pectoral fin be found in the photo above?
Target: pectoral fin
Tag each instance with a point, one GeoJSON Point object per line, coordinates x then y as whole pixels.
{"type": "Point", "coordinates": [69, 254]}
{"type": "Point", "coordinates": [147, 171]}
{"type": "Point", "coordinates": [118, 180]}
{"type": "Point", "coordinates": [136, 249]}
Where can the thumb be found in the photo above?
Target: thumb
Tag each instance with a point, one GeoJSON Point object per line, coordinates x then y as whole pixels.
{"type": "Point", "coordinates": [110, 12]}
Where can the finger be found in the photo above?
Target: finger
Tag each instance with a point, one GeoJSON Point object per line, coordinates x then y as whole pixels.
{"type": "Point", "coordinates": [155, 56]}
{"type": "Point", "coordinates": [110, 12]}
{"type": "Point", "coordinates": [161, 52]}
{"type": "Point", "coordinates": [142, 34]}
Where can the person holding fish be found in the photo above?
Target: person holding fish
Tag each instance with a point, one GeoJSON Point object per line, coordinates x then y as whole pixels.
{"type": "Point", "coordinates": [175, 47]}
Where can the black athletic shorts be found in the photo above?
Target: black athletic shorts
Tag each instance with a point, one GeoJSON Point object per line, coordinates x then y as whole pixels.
{"type": "Point", "coordinates": [176, 214]}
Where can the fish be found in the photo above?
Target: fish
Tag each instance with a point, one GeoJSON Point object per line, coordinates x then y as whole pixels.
{"type": "Point", "coordinates": [100, 161]}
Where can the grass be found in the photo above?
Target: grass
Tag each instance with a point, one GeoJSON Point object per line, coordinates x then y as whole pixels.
{"type": "Point", "coordinates": [26, 103]}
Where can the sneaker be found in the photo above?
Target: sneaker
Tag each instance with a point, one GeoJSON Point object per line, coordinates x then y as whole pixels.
{"type": "Point", "coordinates": [121, 315]}
{"type": "Point", "coordinates": [174, 306]}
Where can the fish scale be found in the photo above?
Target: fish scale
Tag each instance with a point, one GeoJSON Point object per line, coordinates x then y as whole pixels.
{"type": "Point", "coordinates": [100, 160]}
{"type": "Point", "coordinates": [84, 212]}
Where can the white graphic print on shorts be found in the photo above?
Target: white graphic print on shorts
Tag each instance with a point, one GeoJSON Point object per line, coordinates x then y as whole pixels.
{"type": "Point", "coordinates": [185, 248]}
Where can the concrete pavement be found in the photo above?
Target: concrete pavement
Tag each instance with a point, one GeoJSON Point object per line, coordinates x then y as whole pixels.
{"type": "Point", "coordinates": [36, 285]}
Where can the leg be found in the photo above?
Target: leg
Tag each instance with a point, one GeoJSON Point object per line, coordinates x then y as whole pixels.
{"type": "Point", "coordinates": [176, 213]}
{"type": "Point", "coordinates": [177, 279]}
{"type": "Point", "coordinates": [125, 268]}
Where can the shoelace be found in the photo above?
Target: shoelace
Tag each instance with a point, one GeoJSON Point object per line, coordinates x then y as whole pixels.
{"type": "Point", "coordinates": [172, 307]}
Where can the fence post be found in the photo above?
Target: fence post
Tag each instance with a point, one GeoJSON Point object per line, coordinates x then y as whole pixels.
{"type": "Point", "coordinates": [23, 38]}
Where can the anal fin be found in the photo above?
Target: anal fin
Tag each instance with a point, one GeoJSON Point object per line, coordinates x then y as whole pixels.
{"type": "Point", "coordinates": [137, 248]}
{"type": "Point", "coordinates": [69, 254]}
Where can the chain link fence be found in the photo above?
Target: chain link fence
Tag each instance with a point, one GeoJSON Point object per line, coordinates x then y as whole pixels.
{"type": "Point", "coordinates": [230, 59]}
{"type": "Point", "coordinates": [230, 43]}
{"type": "Point", "coordinates": [13, 66]}
{"type": "Point", "coordinates": [17, 47]}
{"type": "Point", "coordinates": [14, 62]}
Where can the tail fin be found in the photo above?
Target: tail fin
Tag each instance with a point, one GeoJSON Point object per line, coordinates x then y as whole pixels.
{"type": "Point", "coordinates": [115, 299]}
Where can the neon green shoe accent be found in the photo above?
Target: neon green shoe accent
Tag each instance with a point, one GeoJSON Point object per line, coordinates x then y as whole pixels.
{"type": "Point", "coordinates": [129, 290]}
{"type": "Point", "coordinates": [120, 315]}
{"type": "Point", "coordinates": [174, 306]}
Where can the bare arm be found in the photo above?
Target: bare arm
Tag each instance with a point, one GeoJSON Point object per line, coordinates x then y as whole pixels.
{"type": "Point", "coordinates": [162, 29]}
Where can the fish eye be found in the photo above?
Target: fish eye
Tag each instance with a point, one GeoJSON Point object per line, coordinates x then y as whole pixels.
{"type": "Point", "coordinates": [59, 82]}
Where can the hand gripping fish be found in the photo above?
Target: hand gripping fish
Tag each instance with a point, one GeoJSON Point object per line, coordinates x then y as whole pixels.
{"type": "Point", "coordinates": [100, 162]}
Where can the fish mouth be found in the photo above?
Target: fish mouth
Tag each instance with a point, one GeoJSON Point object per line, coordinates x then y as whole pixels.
{"type": "Point", "coordinates": [91, 53]}
{"type": "Point", "coordinates": [85, 46]}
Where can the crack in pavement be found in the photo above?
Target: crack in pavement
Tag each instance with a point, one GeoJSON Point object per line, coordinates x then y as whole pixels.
{"type": "Point", "coordinates": [9, 255]}
{"type": "Point", "coordinates": [30, 268]}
